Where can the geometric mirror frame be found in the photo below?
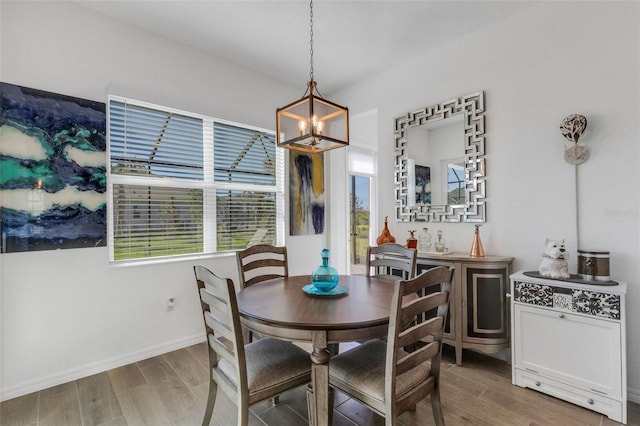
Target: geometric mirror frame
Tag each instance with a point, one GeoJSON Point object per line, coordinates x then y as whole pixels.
{"type": "Point", "coordinates": [471, 107]}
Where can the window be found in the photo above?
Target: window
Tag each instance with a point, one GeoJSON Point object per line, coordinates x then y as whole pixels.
{"type": "Point", "coordinates": [183, 183]}
{"type": "Point", "coordinates": [456, 183]}
{"type": "Point", "coordinates": [362, 170]}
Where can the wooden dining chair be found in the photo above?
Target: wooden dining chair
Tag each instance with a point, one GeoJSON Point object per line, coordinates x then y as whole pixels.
{"type": "Point", "coordinates": [381, 374]}
{"type": "Point", "coordinates": [247, 374]}
{"type": "Point", "coordinates": [386, 260]}
{"type": "Point", "coordinates": [260, 263]}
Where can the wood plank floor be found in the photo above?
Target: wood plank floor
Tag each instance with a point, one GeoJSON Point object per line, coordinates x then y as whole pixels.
{"type": "Point", "coordinates": [171, 389]}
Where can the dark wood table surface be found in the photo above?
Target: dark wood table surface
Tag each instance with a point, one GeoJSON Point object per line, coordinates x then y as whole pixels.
{"type": "Point", "coordinates": [279, 308]}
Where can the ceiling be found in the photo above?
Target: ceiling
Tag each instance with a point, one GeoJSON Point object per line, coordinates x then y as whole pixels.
{"type": "Point", "coordinates": [352, 38]}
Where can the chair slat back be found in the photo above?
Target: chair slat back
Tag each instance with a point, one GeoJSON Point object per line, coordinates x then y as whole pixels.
{"type": "Point", "coordinates": [217, 326]}
{"type": "Point", "coordinates": [384, 259]}
{"type": "Point", "coordinates": [429, 299]}
{"type": "Point", "coordinates": [260, 263]}
{"type": "Point", "coordinates": [421, 355]}
{"type": "Point", "coordinates": [419, 331]}
{"type": "Point", "coordinates": [222, 323]}
{"type": "Point", "coordinates": [423, 304]}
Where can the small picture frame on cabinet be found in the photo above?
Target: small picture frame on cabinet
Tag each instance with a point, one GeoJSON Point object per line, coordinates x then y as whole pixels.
{"type": "Point", "coordinates": [563, 302]}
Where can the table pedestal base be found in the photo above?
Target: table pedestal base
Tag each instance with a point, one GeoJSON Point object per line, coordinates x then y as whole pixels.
{"type": "Point", "coordinates": [311, 406]}
{"type": "Point", "coordinates": [319, 394]}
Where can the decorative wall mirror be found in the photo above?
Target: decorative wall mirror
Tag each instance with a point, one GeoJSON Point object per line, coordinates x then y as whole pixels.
{"type": "Point", "coordinates": [439, 162]}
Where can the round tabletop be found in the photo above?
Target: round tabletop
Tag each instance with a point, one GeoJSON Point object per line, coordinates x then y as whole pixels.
{"type": "Point", "coordinates": [281, 302]}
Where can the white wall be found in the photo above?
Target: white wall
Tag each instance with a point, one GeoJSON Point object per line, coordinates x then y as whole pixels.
{"type": "Point", "coordinates": [552, 60]}
{"type": "Point", "coordinates": [68, 313]}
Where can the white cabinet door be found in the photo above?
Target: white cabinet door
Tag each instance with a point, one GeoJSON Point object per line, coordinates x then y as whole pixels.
{"type": "Point", "coordinates": [576, 349]}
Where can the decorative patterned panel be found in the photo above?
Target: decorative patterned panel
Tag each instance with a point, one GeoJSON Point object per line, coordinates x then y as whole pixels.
{"type": "Point", "coordinates": [571, 300]}
{"type": "Point", "coordinates": [533, 294]}
{"type": "Point", "coordinates": [598, 304]}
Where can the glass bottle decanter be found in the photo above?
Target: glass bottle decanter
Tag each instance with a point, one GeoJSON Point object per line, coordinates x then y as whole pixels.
{"type": "Point", "coordinates": [439, 244]}
{"type": "Point", "coordinates": [424, 240]}
{"type": "Point", "coordinates": [325, 277]}
{"type": "Point", "coordinates": [412, 241]}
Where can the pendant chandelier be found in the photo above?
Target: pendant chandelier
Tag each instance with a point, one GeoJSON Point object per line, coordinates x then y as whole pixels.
{"type": "Point", "coordinates": [312, 123]}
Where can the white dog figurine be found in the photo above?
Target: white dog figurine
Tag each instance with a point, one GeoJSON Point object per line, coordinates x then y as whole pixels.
{"type": "Point", "coordinates": [554, 260]}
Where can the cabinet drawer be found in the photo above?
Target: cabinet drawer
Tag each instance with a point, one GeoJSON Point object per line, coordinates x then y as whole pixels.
{"type": "Point", "coordinates": [593, 303]}
{"type": "Point", "coordinates": [609, 407]}
{"type": "Point", "coordinates": [581, 351]}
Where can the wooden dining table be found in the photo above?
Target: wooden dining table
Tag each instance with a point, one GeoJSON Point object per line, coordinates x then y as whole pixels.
{"type": "Point", "coordinates": [281, 309]}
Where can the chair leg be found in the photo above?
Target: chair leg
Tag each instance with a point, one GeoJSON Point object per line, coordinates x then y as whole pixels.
{"type": "Point", "coordinates": [275, 400]}
{"type": "Point", "coordinates": [247, 335]}
{"type": "Point", "coordinates": [311, 409]}
{"type": "Point", "coordinates": [436, 407]}
{"type": "Point", "coordinates": [332, 397]}
{"type": "Point", "coordinates": [211, 402]}
{"type": "Point", "coordinates": [333, 348]}
{"type": "Point", "coordinates": [243, 412]}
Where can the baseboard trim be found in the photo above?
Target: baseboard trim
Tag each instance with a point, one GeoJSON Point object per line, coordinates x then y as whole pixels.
{"type": "Point", "coordinates": [55, 379]}
{"type": "Point", "coordinates": [633, 395]}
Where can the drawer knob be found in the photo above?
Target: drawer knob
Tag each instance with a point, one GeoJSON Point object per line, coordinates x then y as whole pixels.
{"type": "Point", "coordinates": [591, 401]}
{"type": "Point", "coordinates": [537, 383]}
{"type": "Point", "coordinates": [561, 315]}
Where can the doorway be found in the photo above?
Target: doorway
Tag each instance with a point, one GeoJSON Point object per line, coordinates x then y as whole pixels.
{"type": "Point", "coordinates": [359, 222]}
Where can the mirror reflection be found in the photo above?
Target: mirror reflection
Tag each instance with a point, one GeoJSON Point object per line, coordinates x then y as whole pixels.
{"type": "Point", "coordinates": [439, 152]}
{"type": "Point", "coordinates": [435, 151]}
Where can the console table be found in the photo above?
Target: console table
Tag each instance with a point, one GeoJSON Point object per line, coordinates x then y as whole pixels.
{"type": "Point", "coordinates": [478, 311]}
{"type": "Point", "coordinates": [569, 341]}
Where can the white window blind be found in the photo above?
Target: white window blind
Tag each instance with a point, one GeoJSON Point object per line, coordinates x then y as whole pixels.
{"type": "Point", "coordinates": [145, 141]}
{"type": "Point", "coordinates": [362, 162]}
{"type": "Point", "coordinates": [183, 183]}
{"type": "Point", "coordinates": [246, 156]}
{"type": "Point", "coordinates": [246, 194]}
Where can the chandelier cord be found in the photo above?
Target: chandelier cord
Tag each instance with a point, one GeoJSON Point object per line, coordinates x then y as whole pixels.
{"type": "Point", "coordinates": [311, 39]}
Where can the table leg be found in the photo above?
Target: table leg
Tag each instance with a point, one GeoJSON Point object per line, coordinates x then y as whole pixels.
{"type": "Point", "coordinates": [318, 397]}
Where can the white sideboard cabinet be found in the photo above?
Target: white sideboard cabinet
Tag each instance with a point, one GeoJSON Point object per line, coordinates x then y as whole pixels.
{"type": "Point", "coordinates": [478, 310]}
{"type": "Point", "coordinates": [568, 341]}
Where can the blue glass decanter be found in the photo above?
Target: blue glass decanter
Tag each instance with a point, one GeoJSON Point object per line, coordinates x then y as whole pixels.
{"type": "Point", "coordinates": [325, 277]}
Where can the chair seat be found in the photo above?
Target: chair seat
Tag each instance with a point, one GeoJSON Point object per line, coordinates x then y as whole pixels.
{"type": "Point", "coordinates": [362, 368]}
{"type": "Point", "coordinates": [270, 363]}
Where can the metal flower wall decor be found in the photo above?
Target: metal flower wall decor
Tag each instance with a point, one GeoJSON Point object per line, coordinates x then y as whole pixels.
{"type": "Point", "coordinates": [573, 128]}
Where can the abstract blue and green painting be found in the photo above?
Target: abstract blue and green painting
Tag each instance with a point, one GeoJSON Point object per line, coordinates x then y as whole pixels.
{"type": "Point", "coordinates": [52, 170]}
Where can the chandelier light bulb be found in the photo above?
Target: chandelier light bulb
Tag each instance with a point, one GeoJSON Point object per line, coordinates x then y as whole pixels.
{"type": "Point", "coordinates": [302, 125]}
